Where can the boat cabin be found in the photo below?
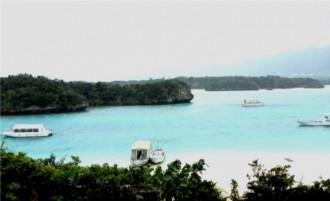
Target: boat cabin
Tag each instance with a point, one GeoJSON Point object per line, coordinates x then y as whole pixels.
{"type": "Point", "coordinates": [141, 151]}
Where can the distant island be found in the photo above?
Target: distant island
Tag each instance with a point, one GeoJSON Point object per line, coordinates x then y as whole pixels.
{"type": "Point", "coordinates": [231, 83]}
{"type": "Point", "coordinates": [324, 80]}
{"type": "Point", "coordinates": [236, 83]}
{"type": "Point", "coordinates": [25, 94]}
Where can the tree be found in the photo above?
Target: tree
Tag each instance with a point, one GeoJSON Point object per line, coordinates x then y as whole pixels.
{"type": "Point", "coordinates": [273, 185]}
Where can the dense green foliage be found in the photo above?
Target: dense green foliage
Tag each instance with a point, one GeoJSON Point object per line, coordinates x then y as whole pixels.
{"type": "Point", "coordinates": [248, 83]}
{"type": "Point", "coordinates": [25, 94]}
{"type": "Point", "coordinates": [24, 178]}
{"type": "Point", "coordinates": [160, 92]}
{"type": "Point", "coordinates": [277, 184]}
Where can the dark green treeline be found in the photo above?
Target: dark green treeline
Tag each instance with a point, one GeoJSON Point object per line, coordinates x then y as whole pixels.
{"type": "Point", "coordinates": [25, 94]}
{"type": "Point", "coordinates": [27, 179]}
{"type": "Point", "coordinates": [249, 83]}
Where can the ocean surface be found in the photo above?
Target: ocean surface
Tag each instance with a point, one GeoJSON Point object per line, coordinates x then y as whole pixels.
{"type": "Point", "coordinates": [213, 121]}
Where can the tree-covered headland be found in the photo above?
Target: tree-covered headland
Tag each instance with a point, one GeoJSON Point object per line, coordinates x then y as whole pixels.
{"type": "Point", "coordinates": [147, 93]}
{"type": "Point", "coordinates": [24, 178]}
{"type": "Point", "coordinates": [25, 94]}
{"type": "Point", "coordinates": [231, 83]}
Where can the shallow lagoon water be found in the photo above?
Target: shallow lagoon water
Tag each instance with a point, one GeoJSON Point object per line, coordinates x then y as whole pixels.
{"type": "Point", "coordinates": [213, 121]}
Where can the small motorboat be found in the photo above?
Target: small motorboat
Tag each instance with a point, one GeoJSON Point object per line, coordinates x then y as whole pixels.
{"type": "Point", "coordinates": [324, 122]}
{"type": "Point", "coordinates": [141, 151]}
{"type": "Point", "coordinates": [252, 103]}
{"type": "Point", "coordinates": [157, 156]}
{"type": "Point", "coordinates": [27, 130]}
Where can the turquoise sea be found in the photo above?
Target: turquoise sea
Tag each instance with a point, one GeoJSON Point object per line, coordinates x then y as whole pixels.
{"type": "Point", "coordinates": [213, 121]}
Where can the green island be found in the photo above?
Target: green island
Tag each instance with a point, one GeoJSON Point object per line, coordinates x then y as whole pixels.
{"type": "Point", "coordinates": [325, 80]}
{"type": "Point", "coordinates": [231, 83]}
{"type": "Point", "coordinates": [25, 94]}
{"type": "Point", "coordinates": [24, 178]}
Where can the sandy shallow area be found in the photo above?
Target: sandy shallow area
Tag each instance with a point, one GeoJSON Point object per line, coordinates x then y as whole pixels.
{"type": "Point", "coordinates": [224, 166]}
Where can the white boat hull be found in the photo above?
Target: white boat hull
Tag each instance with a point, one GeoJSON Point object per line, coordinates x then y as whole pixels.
{"type": "Point", "coordinates": [253, 105]}
{"type": "Point", "coordinates": [27, 134]}
{"type": "Point", "coordinates": [140, 162]}
{"type": "Point", "coordinates": [313, 123]}
{"type": "Point", "coordinates": [157, 159]}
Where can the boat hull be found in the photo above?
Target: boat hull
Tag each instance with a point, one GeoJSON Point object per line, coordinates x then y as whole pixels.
{"type": "Point", "coordinates": [253, 105]}
{"type": "Point", "coordinates": [27, 130]}
{"type": "Point", "coordinates": [313, 123]}
{"type": "Point", "coordinates": [24, 135]}
{"type": "Point", "coordinates": [140, 162]}
{"type": "Point", "coordinates": [158, 159]}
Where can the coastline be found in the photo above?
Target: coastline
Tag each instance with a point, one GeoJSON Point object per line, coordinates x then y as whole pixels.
{"type": "Point", "coordinates": [223, 166]}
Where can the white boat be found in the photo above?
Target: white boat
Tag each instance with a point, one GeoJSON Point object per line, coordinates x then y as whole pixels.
{"type": "Point", "coordinates": [157, 156]}
{"type": "Point", "coordinates": [27, 130]}
{"type": "Point", "coordinates": [324, 122]}
{"type": "Point", "coordinates": [252, 103]}
{"type": "Point", "coordinates": [141, 151]}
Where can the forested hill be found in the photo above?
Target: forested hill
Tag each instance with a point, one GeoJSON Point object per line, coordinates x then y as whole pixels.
{"type": "Point", "coordinates": [25, 94]}
{"type": "Point", "coordinates": [248, 83]}
{"type": "Point", "coordinates": [158, 92]}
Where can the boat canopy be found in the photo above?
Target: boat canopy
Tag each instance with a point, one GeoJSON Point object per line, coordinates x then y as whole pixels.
{"type": "Point", "coordinates": [142, 144]}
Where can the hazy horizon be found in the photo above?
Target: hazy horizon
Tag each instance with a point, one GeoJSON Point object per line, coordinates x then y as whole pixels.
{"type": "Point", "coordinates": [109, 41]}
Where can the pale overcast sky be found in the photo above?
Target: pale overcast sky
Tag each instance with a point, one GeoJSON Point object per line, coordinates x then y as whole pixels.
{"type": "Point", "coordinates": [106, 41]}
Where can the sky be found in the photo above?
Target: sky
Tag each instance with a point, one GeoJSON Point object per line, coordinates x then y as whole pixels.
{"type": "Point", "coordinates": [112, 40]}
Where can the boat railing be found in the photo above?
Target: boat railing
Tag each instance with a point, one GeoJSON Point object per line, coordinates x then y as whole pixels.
{"type": "Point", "coordinates": [158, 151]}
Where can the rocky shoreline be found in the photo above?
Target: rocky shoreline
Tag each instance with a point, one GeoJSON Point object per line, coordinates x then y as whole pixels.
{"type": "Point", "coordinates": [46, 110]}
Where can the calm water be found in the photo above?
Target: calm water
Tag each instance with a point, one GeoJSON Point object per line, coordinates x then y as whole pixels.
{"type": "Point", "coordinates": [213, 121]}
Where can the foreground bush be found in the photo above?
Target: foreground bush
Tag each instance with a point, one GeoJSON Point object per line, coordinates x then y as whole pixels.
{"type": "Point", "coordinates": [24, 178]}
{"type": "Point", "coordinates": [277, 184]}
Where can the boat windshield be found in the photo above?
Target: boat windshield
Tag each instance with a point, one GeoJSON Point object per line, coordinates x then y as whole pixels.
{"type": "Point", "coordinates": [141, 154]}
